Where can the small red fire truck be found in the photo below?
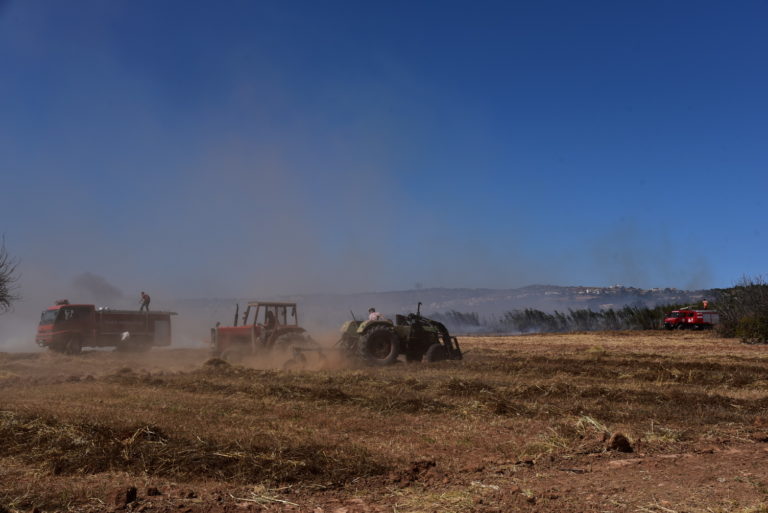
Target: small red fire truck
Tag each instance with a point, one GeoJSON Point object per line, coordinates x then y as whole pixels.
{"type": "Point", "coordinates": [67, 328]}
{"type": "Point", "coordinates": [690, 319]}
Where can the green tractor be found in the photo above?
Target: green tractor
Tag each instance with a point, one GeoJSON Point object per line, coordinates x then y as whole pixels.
{"type": "Point", "coordinates": [381, 342]}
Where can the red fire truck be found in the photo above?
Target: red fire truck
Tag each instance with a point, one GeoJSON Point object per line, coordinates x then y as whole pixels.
{"type": "Point", "coordinates": [690, 319]}
{"type": "Point", "coordinates": [67, 328]}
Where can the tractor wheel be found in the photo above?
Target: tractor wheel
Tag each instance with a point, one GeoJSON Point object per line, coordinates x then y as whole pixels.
{"type": "Point", "coordinates": [73, 346]}
{"type": "Point", "coordinates": [436, 353]}
{"type": "Point", "coordinates": [58, 347]}
{"type": "Point", "coordinates": [288, 341]}
{"type": "Point", "coordinates": [298, 362]}
{"type": "Point", "coordinates": [233, 355]}
{"type": "Point", "coordinates": [379, 346]}
{"type": "Point", "coordinates": [288, 346]}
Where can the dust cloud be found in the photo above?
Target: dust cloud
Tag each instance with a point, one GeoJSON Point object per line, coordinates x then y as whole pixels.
{"type": "Point", "coordinates": [260, 190]}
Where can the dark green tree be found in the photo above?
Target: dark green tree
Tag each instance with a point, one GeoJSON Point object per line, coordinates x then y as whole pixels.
{"type": "Point", "coordinates": [8, 279]}
{"type": "Point", "coordinates": [743, 310]}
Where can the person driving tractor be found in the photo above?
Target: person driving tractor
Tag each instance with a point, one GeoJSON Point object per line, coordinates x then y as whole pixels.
{"type": "Point", "coordinates": [270, 323]}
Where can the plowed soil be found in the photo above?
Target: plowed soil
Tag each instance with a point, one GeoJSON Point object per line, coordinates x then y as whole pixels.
{"type": "Point", "coordinates": [619, 421]}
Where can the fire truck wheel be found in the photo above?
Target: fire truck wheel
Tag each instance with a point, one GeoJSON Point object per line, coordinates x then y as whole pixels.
{"type": "Point", "coordinates": [73, 346]}
{"type": "Point", "coordinates": [134, 346]}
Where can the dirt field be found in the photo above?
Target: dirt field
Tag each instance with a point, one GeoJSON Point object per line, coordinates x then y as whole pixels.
{"type": "Point", "coordinates": [529, 423]}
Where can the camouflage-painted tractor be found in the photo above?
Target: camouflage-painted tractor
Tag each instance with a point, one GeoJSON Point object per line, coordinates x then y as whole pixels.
{"type": "Point", "coordinates": [381, 342]}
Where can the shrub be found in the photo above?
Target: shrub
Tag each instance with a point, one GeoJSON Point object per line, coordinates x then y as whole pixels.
{"type": "Point", "coordinates": [753, 329]}
{"type": "Point", "coordinates": [743, 309]}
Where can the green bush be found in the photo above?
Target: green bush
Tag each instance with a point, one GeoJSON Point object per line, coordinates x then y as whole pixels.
{"type": "Point", "coordinates": [743, 309]}
{"type": "Point", "coordinates": [753, 329]}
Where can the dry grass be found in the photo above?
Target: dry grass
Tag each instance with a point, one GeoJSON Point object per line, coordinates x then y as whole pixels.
{"type": "Point", "coordinates": [170, 416]}
{"type": "Point", "coordinates": [58, 447]}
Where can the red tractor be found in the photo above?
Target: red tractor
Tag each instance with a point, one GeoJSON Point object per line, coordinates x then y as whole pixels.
{"type": "Point", "coordinates": [266, 330]}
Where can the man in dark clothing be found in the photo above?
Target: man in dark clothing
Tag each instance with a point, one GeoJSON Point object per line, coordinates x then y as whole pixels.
{"type": "Point", "coordinates": [144, 301]}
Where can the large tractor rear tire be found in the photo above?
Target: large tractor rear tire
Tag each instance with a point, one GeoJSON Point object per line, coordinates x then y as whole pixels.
{"type": "Point", "coordinates": [379, 346]}
{"type": "Point", "coordinates": [298, 350]}
{"type": "Point", "coordinates": [287, 341]}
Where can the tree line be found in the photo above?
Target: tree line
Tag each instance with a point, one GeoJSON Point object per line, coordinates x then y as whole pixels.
{"type": "Point", "coordinates": [743, 311]}
{"type": "Point", "coordinates": [531, 320]}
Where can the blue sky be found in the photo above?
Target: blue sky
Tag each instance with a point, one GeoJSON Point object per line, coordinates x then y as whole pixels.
{"type": "Point", "coordinates": [251, 148]}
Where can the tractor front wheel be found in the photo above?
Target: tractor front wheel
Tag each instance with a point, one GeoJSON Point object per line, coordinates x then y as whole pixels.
{"type": "Point", "coordinates": [436, 353]}
{"type": "Point", "coordinates": [379, 346]}
{"type": "Point", "coordinates": [234, 355]}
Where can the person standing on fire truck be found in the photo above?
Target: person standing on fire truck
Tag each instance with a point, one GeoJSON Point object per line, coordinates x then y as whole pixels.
{"type": "Point", "coordinates": [144, 301]}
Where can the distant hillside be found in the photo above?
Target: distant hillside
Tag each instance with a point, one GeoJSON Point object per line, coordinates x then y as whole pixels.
{"type": "Point", "coordinates": [327, 311]}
